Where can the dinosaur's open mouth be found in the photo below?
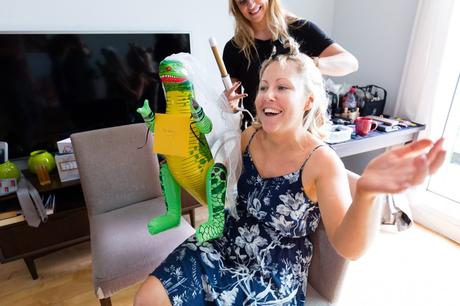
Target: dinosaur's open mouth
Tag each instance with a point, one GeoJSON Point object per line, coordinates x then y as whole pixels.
{"type": "Point", "coordinates": [172, 79]}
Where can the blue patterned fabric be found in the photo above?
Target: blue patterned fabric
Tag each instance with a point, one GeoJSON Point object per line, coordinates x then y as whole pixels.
{"type": "Point", "coordinates": [263, 256]}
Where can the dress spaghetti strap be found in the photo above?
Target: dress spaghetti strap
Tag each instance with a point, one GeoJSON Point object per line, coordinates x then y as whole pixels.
{"type": "Point", "coordinates": [246, 150]}
{"type": "Point", "coordinates": [309, 155]}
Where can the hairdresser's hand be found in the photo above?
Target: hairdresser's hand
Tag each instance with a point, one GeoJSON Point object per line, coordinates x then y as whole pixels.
{"type": "Point", "coordinates": [233, 97]}
{"type": "Point", "coordinates": [398, 169]}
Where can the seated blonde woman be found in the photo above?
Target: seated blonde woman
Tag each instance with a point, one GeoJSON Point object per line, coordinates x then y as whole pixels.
{"type": "Point", "coordinates": [290, 180]}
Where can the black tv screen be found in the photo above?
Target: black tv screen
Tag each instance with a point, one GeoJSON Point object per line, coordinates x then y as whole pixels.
{"type": "Point", "coordinates": [52, 85]}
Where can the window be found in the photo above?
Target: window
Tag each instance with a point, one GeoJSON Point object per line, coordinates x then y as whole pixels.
{"type": "Point", "coordinates": [445, 182]}
{"type": "Point", "coordinates": [437, 205]}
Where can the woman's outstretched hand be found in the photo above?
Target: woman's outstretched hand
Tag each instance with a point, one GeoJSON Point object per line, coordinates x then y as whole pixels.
{"type": "Point", "coordinates": [398, 169]}
{"type": "Point", "coordinates": [233, 97]}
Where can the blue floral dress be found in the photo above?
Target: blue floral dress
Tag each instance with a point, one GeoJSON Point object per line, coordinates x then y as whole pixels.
{"type": "Point", "coordinates": [264, 254]}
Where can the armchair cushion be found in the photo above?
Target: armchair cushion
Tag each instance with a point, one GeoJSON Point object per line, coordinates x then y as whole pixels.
{"type": "Point", "coordinates": [327, 269]}
{"type": "Point", "coordinates": [314, 298]}
{"type": "Point", "coordinates": [123, 251]}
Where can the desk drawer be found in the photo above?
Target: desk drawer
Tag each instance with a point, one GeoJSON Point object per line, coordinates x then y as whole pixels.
{"type": "Point", "coordinates": [20, 240]}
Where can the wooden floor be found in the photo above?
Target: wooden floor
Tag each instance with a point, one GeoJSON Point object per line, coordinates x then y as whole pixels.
{"type": "Point", "coordinates": [416, 267]}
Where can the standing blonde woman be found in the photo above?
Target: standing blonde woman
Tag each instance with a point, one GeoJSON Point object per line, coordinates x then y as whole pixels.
{"type": "Point", "coordinates": [290, 181]}
{"type": "Point", "coordinates": [262, 24]}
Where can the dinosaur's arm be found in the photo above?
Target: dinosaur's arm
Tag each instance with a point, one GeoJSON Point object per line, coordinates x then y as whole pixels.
{"type": "Point", "coordinates": [202, 121]}
{"type": "Point", "coordinates": [147, 115]}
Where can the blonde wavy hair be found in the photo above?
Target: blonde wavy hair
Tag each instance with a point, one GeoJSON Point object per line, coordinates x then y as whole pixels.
{"type": "Point", "coordinates": [277, 20]}
{"type": "Point", "coordinates": [315, 118]}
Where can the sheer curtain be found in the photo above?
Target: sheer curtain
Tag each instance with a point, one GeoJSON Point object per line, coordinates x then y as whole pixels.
{"type": "Point", "coordinates": [428, 82]}
{"type": "Point", "coordinates": [424, 60]}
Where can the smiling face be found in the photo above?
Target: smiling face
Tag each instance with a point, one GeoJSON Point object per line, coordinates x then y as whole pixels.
{"type": "Point", "coordinates": [282, 99]}
{"type": "Point", "coordinates": [253, 10]}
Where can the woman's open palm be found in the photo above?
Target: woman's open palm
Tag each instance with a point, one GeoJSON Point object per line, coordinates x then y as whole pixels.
{"type": "Point", "coordinates": [398, 169]}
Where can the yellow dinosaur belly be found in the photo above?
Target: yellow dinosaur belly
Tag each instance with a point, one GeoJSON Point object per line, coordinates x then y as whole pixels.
{"type": "Point", "coordinates": [194, 182]}
{"type": "Point", "coordinates": [189, 172]}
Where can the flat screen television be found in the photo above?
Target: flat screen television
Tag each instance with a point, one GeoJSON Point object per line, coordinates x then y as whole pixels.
{"type": "Point", "coordinates": [53, 85]}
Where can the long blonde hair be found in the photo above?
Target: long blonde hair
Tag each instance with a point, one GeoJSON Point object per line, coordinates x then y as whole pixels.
{"type": "Point", "coordinates": [277, 20]}
{"type": "Point", "coordinates": [313, 82]}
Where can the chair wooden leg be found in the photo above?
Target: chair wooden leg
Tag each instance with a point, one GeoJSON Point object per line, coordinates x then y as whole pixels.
{"type": "Point", "coordinates": [106, 302]}
{"type": "Point", "coordinates": [192, 217]}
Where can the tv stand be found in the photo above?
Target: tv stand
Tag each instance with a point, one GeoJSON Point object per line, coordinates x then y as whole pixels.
{"type": "Point", "coordinates": [67, 226]}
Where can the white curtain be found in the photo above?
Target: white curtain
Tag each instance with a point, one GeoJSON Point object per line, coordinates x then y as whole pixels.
{"type": "Point", "coordinates": [429, 78]}
{"type": "Point", "coordinates": [424, 60]}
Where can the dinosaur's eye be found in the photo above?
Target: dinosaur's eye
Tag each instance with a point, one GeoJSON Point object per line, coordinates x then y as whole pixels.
{"type": "Point", "coordinates": [168, 68]}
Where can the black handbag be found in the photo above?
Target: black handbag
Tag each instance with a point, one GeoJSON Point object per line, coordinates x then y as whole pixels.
{"type": "Point", "coordinates": [371, 100]}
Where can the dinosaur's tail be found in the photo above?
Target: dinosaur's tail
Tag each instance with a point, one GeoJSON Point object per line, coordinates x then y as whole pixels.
{"type": "Point", "coordinates": [227, 150]}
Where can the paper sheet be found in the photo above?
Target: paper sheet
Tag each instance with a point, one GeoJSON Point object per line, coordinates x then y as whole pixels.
{"type": "Point", "coordinates": [171, 134]}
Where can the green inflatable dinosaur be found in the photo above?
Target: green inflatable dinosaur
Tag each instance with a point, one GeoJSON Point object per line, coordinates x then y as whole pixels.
{"type": "Point", "coordinates": [197, 172]}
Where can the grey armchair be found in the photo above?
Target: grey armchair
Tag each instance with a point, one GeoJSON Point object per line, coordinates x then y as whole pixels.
{"type": "Point", "coordinates": [122, 193]}
{"type": "Point", "coordinates": [327, 269]}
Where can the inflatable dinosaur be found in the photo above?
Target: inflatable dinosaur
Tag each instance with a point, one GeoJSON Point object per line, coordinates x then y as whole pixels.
{"type": "Point", "coordinates": [197, 172]}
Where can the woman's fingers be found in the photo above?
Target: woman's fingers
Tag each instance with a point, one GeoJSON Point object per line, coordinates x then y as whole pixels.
{"type": "Point", "coordinates": [399, 169]}
{"type": "Point", "coordinates": [421, 170]}
{"type": "Point", "coordinates": [437, 162]}
{"type": "Point", "coordinates": [413, 148]}
{"type": "Point", "coordinates": [239, 96]}
{"type": "Point", "coordinates": [395, 174]}
{"type": "Point", "coordinates": [232, 97]}
{"type": "Point", "coordinates": [235, 86]}
{"type": "Point", "coordinates": [435, 149]}
{"type": "Point", "coordinates": [436, 156]}
{"type": "Point", "coordinates": [231, 92]}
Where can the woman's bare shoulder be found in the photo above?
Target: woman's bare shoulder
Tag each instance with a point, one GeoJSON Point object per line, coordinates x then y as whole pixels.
{"type": "Point", "coordinates": [324, 160]}
{"type": "Point", "coordinates": [246, 136]}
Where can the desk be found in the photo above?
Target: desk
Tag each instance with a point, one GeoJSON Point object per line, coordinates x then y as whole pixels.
{"type": "Point", "coordinates": [376, 140]}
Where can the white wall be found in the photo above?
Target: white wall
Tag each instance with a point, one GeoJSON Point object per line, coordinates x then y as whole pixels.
{"type": "Point", "coordinates": [320, 12]}
{"type": "Point", "coordinates": [378, 34]}
{"type": "Point", "coordinates": [202, 19]}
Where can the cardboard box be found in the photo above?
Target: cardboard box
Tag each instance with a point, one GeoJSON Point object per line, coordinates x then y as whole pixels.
{"type": "Point", "coordinates": [65, 146]}
{"type": "Point", "coordinates": [67, 167]}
